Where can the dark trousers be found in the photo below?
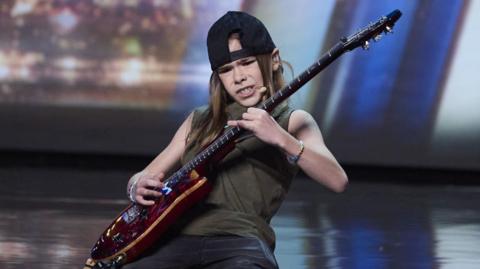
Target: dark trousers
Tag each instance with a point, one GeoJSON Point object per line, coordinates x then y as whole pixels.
{"type": "Point", "coordinates": [210, 252]}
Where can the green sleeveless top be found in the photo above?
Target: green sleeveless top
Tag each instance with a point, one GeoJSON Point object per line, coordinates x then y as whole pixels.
{"type": "Point", "coordinates": [249, 185]}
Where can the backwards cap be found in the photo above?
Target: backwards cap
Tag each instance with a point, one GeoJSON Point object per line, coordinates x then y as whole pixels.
{"type": "Point", "coordinates": [254, 38]}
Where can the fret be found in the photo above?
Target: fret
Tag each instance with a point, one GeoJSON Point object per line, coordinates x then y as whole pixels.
{"type": "Point", "coordinates": [270, 102]}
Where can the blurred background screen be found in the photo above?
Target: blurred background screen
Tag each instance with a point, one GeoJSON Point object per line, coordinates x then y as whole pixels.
{"type": "Point", "coordinates": [107, 76]}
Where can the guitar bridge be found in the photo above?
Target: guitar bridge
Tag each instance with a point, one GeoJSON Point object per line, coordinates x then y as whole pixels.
{"type": "Point", "coordinates": [118, 238]}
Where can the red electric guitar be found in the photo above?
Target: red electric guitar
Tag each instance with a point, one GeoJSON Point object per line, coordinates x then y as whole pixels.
{"type": "Point", "coordinates": [138, 227]}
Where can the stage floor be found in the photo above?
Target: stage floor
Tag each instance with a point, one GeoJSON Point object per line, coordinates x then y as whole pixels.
{"type": "Point", "coordinates": [51, 217]}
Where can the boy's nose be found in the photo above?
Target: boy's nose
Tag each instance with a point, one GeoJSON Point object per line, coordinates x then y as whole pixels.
{"type": "Point", "coordinates": [238, 75]}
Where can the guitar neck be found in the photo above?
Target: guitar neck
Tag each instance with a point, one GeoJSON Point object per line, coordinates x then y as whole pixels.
{"type": "Point", "coordinates": [269, 105]}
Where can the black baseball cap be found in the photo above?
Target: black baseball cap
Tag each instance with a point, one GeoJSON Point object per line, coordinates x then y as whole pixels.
{"type": "Point", "coordinates": [254, 38]}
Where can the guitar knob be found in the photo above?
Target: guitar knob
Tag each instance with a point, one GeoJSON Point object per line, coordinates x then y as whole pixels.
{"type": "Point", "coordinates": [119, 260]}
{"type": "Point", "coordinates": [377, 37]}
{"type": "Point", "coordinates": [388, 29]}
{"type": "Point", "coordinates": [366, 45]}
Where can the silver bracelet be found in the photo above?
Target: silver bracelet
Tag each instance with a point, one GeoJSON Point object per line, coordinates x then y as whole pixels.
{"type": "Point", "coordinates": [293, 159]}
{"type": "Point", "coordinates": [132, 190]}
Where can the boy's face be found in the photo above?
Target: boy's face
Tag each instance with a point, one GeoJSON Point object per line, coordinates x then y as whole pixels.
{"type": "Point", "coordinates": [242, 78]}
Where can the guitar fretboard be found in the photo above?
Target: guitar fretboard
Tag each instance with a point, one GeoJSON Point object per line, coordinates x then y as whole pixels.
{"type": "Point", "coordinates": [268, 105]}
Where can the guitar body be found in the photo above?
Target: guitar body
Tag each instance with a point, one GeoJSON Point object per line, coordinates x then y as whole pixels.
{"type": "Point", "coordinates": [138, 227]}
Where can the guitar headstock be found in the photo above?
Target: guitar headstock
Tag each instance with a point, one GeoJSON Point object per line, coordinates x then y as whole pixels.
{"type": "Point", "coordinates": [372, 31]}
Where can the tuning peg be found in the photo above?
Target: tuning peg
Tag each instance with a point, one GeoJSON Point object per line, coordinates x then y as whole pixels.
{"type": "Point", "coordinates": [377, 37]}
{"type": "Point", "coordinates": [388, 29]}
{"type": "Point", "coordinates": [366, 45]}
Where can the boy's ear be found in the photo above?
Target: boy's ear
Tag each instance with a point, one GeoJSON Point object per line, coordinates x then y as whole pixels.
{"type": "Point", "coordinates": [275, 59]}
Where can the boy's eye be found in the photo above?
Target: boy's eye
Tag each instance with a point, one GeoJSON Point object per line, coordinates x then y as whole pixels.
{"type": "Point", "coordinates": [224, 70]}
{"type": "Point", "coordinates": [245, 62]}
{"type": "Point", "coordinates": [248, 62]}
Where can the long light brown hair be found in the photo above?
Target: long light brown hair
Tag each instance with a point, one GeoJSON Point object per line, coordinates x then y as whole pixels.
{"type": "Point", "coordinates": [210, 123]}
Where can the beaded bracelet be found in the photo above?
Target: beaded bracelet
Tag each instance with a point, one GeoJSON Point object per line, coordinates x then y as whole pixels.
{"type": "Point", "coordinates": [293, 159]}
